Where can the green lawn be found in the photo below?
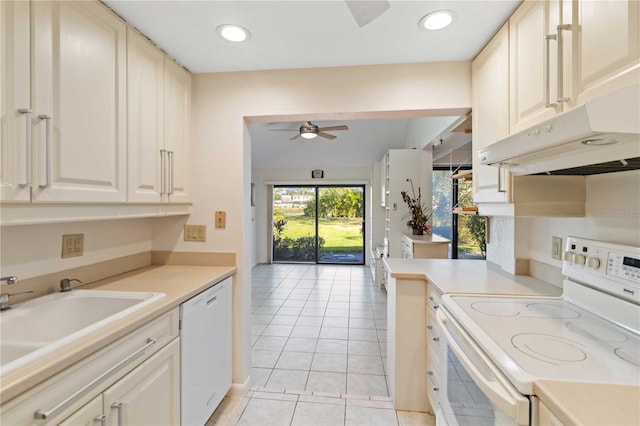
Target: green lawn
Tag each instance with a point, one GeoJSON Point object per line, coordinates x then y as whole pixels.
{"type": "Point", "coordinates": [469, 248]}
{"type": "Point", "coordinates": [340, 234]}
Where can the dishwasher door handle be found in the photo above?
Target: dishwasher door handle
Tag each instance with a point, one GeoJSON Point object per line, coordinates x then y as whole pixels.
{"type": "Point", "coordinates": [212, 300]}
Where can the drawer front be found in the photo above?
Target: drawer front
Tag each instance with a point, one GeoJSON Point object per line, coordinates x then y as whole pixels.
{"type": "Point", "coordinates": [57, 389]}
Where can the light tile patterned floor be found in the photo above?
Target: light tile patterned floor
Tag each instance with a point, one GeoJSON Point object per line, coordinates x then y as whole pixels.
{"type": "Point", "coordinates": [318, 328]}
{"type": "Point", "coordinates": [318, 351]}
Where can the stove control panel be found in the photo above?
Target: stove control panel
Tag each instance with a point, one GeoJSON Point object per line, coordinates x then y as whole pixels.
{"type": "Point", "coordinates": [610, 267]}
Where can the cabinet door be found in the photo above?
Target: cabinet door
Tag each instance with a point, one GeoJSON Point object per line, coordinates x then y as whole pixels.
{"type": "Point", "coordinates": [177, 130]}
{"type": "Point", "coordinates": [89, 415]}
{"type": "Point", "coordinates": [150, 394]}
{"type": "Point", "coordinates": [532, 79]}
{"type": "Point", "coordinates": [608, 46]}
{"type": "Point", "coordinates": [145, 119]}
{"type": "Point", "coordinates": [14, 97]}
{"type": "Point", "coordinates": [79, 82]}
{"type": "Point", "coordinates": [490, 105]}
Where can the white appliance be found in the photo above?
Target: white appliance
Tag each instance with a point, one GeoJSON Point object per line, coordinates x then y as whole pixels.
{"type": "Point", "coordinates": [205, 352]}
{"type": "Point", "coordinates": [498, 346]}
{"type": "Point", "coordinates": [603, 130]}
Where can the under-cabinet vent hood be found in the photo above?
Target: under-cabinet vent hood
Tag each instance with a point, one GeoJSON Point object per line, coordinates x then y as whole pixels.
{"type": "Point", "coordinates": [599, 136]}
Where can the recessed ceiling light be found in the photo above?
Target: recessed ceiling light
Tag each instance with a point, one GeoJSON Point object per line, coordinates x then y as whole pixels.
{"type": "Point", "coordinates": [437, 20]}
{"type": "Point", "coordinates": [234, 33]}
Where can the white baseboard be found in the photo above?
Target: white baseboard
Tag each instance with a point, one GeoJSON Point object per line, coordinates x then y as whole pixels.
{"type": "Point", "coordinates": [240, 389]}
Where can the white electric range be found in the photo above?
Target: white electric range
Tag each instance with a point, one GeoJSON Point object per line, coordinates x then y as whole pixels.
{"type": "Point", "coordinates": [589, 334]}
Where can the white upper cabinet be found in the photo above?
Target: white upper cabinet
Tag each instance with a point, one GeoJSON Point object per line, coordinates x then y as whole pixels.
{"type": "Point", "coordinates": [533, 55]}
{"type": "Point", "coordinates": [15, 102]}
{"type": "Point", "coordinates": [145, 119]}
{"type": "Point", "coordinates": [159, 124]}
{"type": "Point", "coordinates": [565, 52]}
{"type": "Point", "coordinates": [79, 102]}
{"type": "Point", "coordinates": [490, 105]}
{"type": "Point", "coordinates": [177, 131]}
{"type": "Point", "coordinates": [607, 47]}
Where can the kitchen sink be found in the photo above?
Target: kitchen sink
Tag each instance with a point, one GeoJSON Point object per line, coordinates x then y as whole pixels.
{"type": "Point", "coordinates": [40, 326]}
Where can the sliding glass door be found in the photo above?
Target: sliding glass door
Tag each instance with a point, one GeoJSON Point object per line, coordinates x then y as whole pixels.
{"type": "Point", "coordinates": [318, 224]}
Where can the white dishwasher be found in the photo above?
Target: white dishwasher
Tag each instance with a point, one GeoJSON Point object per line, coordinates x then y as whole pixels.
{"type": "Point", "coordinates": [205, 352]}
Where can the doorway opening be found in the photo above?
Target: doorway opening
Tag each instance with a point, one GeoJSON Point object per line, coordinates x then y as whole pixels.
{"type": "Point", "coordinates": [318, 224]}
{"type": "Point", "coordinates": [467, 233]}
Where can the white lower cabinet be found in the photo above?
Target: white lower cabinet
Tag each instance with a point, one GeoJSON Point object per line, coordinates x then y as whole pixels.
{"type": "Point", "coordinates": [141, 371]}
{"type": "Point", "coordinates": [89, 415]}
{"type": "Point", "coordinates": [150, 394]}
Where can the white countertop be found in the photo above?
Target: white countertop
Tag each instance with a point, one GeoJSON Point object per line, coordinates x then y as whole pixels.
{"type": "Point", "coordinates": [426, 239]}
{"type": "Point", "coordinates": [468, 276]}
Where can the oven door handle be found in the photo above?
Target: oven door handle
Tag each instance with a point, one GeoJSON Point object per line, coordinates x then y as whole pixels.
{"type": "Point", "coordinates": [498, 390]}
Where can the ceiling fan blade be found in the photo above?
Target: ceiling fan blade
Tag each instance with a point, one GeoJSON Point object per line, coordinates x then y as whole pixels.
{"type": "Point", "coordinates": [365, 11]}
{"type": "Point", "coordinates": [343, 127]}
{"type": "Point", "coordinates": [326, 135]}
{"type": "Point", "coordinates": [295, 137]}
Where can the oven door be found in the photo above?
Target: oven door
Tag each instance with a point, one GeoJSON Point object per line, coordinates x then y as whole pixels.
{"type": "Point", "coordinates": [473, 390]}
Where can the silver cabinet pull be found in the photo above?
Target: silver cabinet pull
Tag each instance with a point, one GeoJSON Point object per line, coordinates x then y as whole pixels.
{"type": "Point", "coordinates": [170, 156]}
{"type": "Point", "coordinates": [433, 336]}
{"type": "Point", "coordinates": [163, 172]}
{"type": "Point", "coordinates": [118, 406]}
{"type": "Point", "coordinates": [547, 71]}
{"type": "Point", "coordinates": [47, 147]}
{"type": "Point", "coordinates": [432, 302]}
{"type": "Point", "coordinates": [102, 419]}
{"type": "Point", "coordinates": [28, 180]}
{"type": "Point", "coordinates": [434, 385]}
{"type": "Point", "coordinates": [560, 28]}
{"type": "Point", "coordinates": [41, 414]}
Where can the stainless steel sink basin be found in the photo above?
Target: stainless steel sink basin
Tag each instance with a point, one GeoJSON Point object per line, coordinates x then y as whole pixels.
{"type": "Point", "coordinates": [40, 326]}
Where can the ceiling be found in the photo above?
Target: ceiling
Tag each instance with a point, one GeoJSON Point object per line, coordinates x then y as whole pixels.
{"type": "Point", "coordinates": [308, 34]}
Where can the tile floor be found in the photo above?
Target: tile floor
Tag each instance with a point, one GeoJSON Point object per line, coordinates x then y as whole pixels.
{"type": "Point", "coordinates": [318, 328]}
{"type": "Point", "coordinates": [318, 351]}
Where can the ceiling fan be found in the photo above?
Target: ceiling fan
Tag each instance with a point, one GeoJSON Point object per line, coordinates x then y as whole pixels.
{"type": "Point", "coordinates": [308, 130]}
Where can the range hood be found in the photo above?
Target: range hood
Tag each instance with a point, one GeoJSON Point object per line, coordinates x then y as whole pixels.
{"type": "Point", "coordinates": [599, 136]}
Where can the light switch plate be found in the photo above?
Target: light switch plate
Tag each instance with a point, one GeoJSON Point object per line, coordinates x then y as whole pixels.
{"type": "Point", "coordinates": [195, 233]}
{"type": "Point", "coordinates": [72, 245]}
{"type": "Point", "coordinates": [221, 219]}
{"type": "Point", "coordinates": [556, 248]}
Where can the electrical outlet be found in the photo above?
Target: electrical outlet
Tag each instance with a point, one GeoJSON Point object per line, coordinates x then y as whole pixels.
{"type": "Point", "coordinates": [556, 248]}
{"type": "Point", "coordinates": [72, 245]}
{"type": "Point", "coordinates": [195, 233]}
{"type": "Point", "coordinates": [221, 219]}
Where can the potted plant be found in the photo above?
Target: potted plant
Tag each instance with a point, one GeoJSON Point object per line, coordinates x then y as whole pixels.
{"type": "Point", "coordinates": [419, 213]}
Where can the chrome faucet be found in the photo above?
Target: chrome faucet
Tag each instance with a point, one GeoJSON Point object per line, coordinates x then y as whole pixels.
{"type": "Point", "coordinates": [65, 284]}
{"type": "Point", "coordinates": [4, 297]}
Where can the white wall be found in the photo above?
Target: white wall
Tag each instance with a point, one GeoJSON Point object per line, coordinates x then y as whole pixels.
{"type": "Point", "coordinates": [422, 131]}
{"type": "Point", "coordinates": [612, 214]}
{"type": "Point", "coordinates": [32, 250]}
{"type": "Point", "coordinates": [263, 177]}
{"type": "Point", "coordinates": [221, 153]}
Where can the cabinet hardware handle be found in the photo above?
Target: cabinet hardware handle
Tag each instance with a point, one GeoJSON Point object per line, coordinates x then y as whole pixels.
{"type": "Point", "coordinates": [163, 172]}
{"type": "Point", "coordinates": [434, 385]}
{"type": "Point", "coordinates": [41, 414]}
{"type": "Point", "coordinates": [547, 71]}
{"type": "Point", "coordinates": [560, 28]}
{"type": "Point", "coordinates": [500, 188]}
{"type": "Point", "coordinates": [170, 157]}
{"type": "Point", "coordinates": [212, 300]}
{"type": "Point", "coordinates": [118, 406]}
{"type": "Point", "coordinates": [47, 147]}
{"type": "Point", "coordinates": [433, 336]}
{"type": "Point", "coordinates": [102, 419]}
{"type": "Point", "coordinates": [432, 302]}
{"type": "Point", "coordinates": [28, 114]}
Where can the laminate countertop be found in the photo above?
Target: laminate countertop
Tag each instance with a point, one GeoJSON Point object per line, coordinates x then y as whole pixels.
{"type": "Point", "coordinates": [178, 282]}
{"type": "Point", "coordinates": [468, 276]}
{"type": "Point", "coordinates": [573, 403]}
